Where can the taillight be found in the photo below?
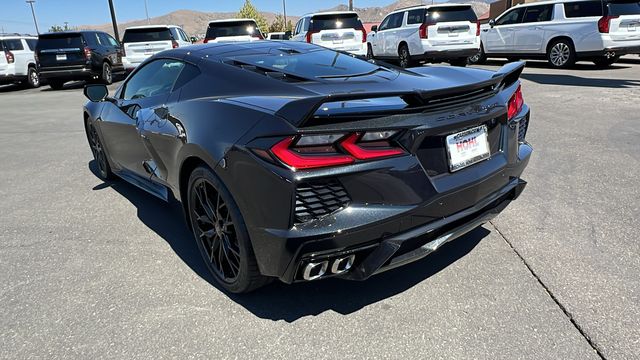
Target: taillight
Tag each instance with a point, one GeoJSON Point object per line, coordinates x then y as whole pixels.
{"type": "Point", "coordinates": [174, 44]}
{"type": "Point", "coordinates": [364, 33]}
{"type": "Point", "coordinates": [478, 28]}
{"type": "Point", "coordinates": [286, 151]}
{"type": "Point", "coordinates": [515, 103]}
{"type": "Point", "coordinates": [259, 36]}
{"type": "Point", "coordinates": [309, 35]}
{"type": "Point", "coordinates": [87, 53]}
{"type": "Point", "coordinates": [604, 23]}
{"type": "Point", "coordinates": [316, 151]}
{"type": "Point", "coordinates": [207, 40]}
{"type": "Point", "coordinates": [424, 31]}
{"type": "Point", "coordinates": [9, 56]}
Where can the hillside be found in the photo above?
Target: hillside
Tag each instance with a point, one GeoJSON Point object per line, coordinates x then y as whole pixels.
{"type": "Point", "coordinates": [195, 22]}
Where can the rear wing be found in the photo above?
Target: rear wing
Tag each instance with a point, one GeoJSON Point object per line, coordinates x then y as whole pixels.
{"type": "Point", "coordinates": [299, 111]}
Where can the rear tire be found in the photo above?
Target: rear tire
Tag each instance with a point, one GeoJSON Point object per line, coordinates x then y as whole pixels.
{"type": "Point", "coordinates": [369, 52]}
{"type": "Point", "coordinates": [561, 54]}
{"type": "Point", "coordinates": [404, 57]}
{"type": "Point", "coordinates": [221, 234]}
{"type": "Point", "coordinates": [462, 62]}
{"type": "Point", "coordinates": [33, 78]}
{"type": "Point", "coordinates": [56, 84]}
{"type": "Point", "coordinates": [604, 62]}
{"type": "Point", "coordinates": [107, 74]}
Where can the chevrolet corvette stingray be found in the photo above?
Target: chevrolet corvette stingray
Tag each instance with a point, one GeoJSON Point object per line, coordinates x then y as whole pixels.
{"type": "Point", "coordinates": [296, 162]}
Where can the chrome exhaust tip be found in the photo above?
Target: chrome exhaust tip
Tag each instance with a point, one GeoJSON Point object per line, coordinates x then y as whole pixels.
{"type": "Point", "coordinates": [342, 265]}
{"type": "Point", "coordinates": [315, 270]}
{"type": "Point", "coordinates": [610, 54]}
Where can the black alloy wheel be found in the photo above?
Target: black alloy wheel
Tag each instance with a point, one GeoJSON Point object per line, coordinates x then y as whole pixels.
{"type": "Point", "coordinates": [99, 155]}
{"type": "Point", "coordinates": [221, 234]}
{"type": "Point", "coordinates": [404, 57]}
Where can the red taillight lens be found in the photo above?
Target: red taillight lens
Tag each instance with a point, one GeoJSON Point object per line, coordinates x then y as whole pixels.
{"type": "Point", "coordinates": [309, 35]}
{"type": "Point", "coordinates": [364, 34]}
{"type": "Point", "coordinates": [87, 53]}
{"type": "Point", "coordinates": [361, 152]}
{"type": "Point", "coordinates": [424, 31]}
{"type": "Point", "coordinates": [174, 44]}
{"type": "Point", "coordinates": [604, 23]}
{"type": "Point", "coordinates": [515, 103]}
{"type": "Point", "coordinates": [207, 40]}
{"type": "Point", "coordinates": [478, 28]}
{"type": "Point", "coordinates": [9, 56]}
{"type": "Point", "coordinates": [284, 151]}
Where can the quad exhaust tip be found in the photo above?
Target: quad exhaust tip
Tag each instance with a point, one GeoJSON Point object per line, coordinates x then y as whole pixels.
{"type": "Point", "coordinates": [317, 269]}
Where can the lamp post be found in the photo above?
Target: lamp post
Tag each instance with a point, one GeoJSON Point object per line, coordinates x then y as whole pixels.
{"type": "Point", "coordinates": [30, 2]}
{"type": "Point", "coordinates": [146, 11]}
{"type": "Point", "coordinates": [350, 5]}
{"type": "Point", "coordinates": [284, 12]}
{"type": "Point", "coordinates": [113, 20]}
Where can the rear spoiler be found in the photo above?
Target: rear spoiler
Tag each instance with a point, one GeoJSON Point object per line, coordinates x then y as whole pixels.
{"type": "Point", "coordinates": [298, 111]}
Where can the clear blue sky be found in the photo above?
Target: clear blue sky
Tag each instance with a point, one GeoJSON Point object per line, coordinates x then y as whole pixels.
{"type": "Point", "coordinates": [15, 15]}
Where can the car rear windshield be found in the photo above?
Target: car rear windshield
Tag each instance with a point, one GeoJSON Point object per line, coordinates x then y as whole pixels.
{"type": "Point", "coordinates": [11, 45]}
{"type": "Point", "coordinates": [60, 41]}
{"type": "Point", "coordinates": [335, 21]}
{"type": "Point", "coordinates": [146, 35]}
{"type": "Point", "coordinates": [618, 8]}
{"type": "Point", "coordinates": [314, 64]}
{"type": "Point", "coordinates": [451, 13]}
{"type": "Point", "coordinates": [232, 28]}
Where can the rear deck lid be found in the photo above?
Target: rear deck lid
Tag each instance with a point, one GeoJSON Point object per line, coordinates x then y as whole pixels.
{"type": "Point", "coordinates": [61, 49]}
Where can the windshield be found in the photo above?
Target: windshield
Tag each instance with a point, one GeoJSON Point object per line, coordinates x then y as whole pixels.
{"type": "Point", "coordinates": [314, 64]}
{"type": "Point", "coordinates": [618, 8]}
{"type": "Point", "coordinates": [146, 35]}
{"type": "Point", "coordinates": [60, 41]}
{"type": "Point", "coordinates": [232, 28]}
{"type": "Point", "coordinates": [335, 21]}
{"type": "Point", "coordinates": [452, 13]}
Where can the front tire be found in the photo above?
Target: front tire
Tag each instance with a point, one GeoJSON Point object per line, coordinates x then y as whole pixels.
{"type": "Point", "coordinates": [479, 58]}
{"type": "Point", "coordinates": [561, 54]}
{"type": "Point", "coordinates": [369, 52]}
{"type": "Point", "coordinates": [221, 234]}
{"type": "Point", "coordinates": [107, 74]}
{"type": "Point", "coordinates": [33, 78]}
{"type": "Point", "coordinates": [99, 155]}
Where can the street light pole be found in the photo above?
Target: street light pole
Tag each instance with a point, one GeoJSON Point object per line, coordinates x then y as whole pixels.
{"type": "Point", "coordinates": [30, 2]}
{"type": "Point", "coordinates": [284, 12]}
{"type": "Point", "coordinates": [350, 5]}
{"type": "Point", "coordinates": [113, 20]}
{"type": "Point", "coordinates": [146, 11]}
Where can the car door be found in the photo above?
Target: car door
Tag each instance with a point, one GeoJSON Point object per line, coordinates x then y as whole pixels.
{"type": "Point", "coordinates": [113, 50]}
{"type": "Point", "coordinates": [500, 37]}
{"type": "Point", "coordinates": [530, 34]}
{"type": "Point", "coordinates": [146, 90]}
{"type": "Point", "coordinates": [377, 41]}
{"type": "Point", "coordinates": [392, 35]}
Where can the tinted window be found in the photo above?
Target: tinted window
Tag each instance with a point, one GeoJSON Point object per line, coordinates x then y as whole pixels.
{"type": "Point", "coordinates": [146, 35]}
{"type": "Point", "coordinates": [187, 74]}
{"type": "Point", "coordinates": [335, 21]}
{"type": "Point", "coordinates": [624, 8]}
{"type": "Point", "coordinates": [92, 39]}
{"type": "Point", "coordinates": [232, 28]}
{"type": "Point", "coordinates": [60, 41]}
{"type": "Point", "coordinates": [583, 9]}
{"type": "Point", "coordinates": [185, 37]}
{"type": "Point", "coordinates": [384, 25]}
{"type": "Point", "coordinates": [31, 43]}
{"type": "Point", "coordinates": [104, 40]}
{"type": "Point", "coordinates": [538, 13]}
{"type": "Point", "coordinates": [512, 17]}
{"type": "Point", "coordinates": [416, 16]}
{"type": "Point", "coordinates": [305, 24]}
{"type": "Point", "coordinates": [155, 78]}
{"type": "Point", "coordinates": [451, 13]}
{"type": "Point", "coordinates": [12, 44]}
{"type": "Point", "coordinates": [395, 20]}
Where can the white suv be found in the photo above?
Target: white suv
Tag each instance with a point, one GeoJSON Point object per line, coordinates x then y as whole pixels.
{"type": "Point", "coordinates": [337, 30]}
{"type": "Point", "coordinates": [17, 61]}
{"type": "Point", "coordinates": [431, 33]}
{"type": "Point", "coordinates": [142, 42]}
{"type": "Point", "coordinates": [233, 30]}
{"type": "Point", "coordinates": [564, 32]}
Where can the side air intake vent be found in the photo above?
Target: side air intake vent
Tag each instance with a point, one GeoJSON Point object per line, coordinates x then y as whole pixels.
{"type": "Point", "coordinates": [282, 76]}
{"type": "Point", "coordinates": [319, 198]}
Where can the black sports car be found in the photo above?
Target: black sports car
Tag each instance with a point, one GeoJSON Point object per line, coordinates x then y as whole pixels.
{"type": "Point", "coordinates": [296, 162]}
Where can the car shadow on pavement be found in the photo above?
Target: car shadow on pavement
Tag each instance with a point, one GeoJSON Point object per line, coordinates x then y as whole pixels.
{"type": "Point", "coordinates": [279, 301]}
{"type": "Point", "coordinates": [571, 80]}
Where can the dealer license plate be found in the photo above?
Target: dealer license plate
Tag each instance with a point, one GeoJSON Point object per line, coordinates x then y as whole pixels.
{"type": "Point", "coordinates": [467, 147]}
{"type": "Point", "coordinates": [62, 57]}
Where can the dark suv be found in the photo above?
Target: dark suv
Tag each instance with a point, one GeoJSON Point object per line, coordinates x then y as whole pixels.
{"type": "Point", "coordinates": [78, 55]}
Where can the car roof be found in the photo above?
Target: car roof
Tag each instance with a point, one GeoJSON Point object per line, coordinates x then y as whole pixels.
{"type": "Point", "coordinates": [441, 5]}
{"type": "Point", "coordinates": [230, 20]}
{"type": "Point", "coordinates": [331, 13]}
{"type": "Point", "coordinates": [150, 27]}
{"type": "Point", "coordinates": [549, 2]}
{"type": "Point", "coordinates": [218, 51]}
{"type": "Point", "coordinates": [10, 37]}
{"type": "Point", "coordinates": [74, 32]}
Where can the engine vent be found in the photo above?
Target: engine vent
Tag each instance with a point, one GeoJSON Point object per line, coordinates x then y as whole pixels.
{"type": "Point", "coordinates": [523, 125]}
{"type": "Point", "coordinates": [319, 198]}
{"type": "Point", "coordinates": [278, 75]}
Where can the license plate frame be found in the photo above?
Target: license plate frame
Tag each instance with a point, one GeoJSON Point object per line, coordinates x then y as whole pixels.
{"type": "Point", "coordinates": [476, 149]}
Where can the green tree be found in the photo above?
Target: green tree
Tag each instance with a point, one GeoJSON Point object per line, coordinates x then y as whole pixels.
{"type": "Point", "coordinates": [58, 28]}
{"type": "Point", "coordinates": [278, 24]}
{"type": "Point", "coordinates": [250, 12]}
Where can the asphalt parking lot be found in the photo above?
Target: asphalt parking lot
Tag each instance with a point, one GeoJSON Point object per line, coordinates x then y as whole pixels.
{"type": "Point", "coordinates": [93, 269]}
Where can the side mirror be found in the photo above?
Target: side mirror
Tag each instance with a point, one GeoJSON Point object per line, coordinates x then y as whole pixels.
{"type": "Point", "coordinates": [194, 40]}
{"type": "Point", "coordinates": [96, 92]}
{"type": "Point", "coordinates": [287, 35]}
{"type": "Point", "coordinates": [374, 28]}
{"type": "Point", "coordinates": [492, 23]}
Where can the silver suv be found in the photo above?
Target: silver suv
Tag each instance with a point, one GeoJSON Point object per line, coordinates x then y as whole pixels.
{"type": "Point", "coordinates": [17, 61]}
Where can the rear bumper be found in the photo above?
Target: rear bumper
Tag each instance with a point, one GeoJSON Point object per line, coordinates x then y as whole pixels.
{"type": "Point", "coordinates": [612, 51]}
{"type": "Point", "coordinates": [69, 73]}
{"type": "Point", "coordinates": [448, 54]}
{"type": "Point", "coordinates": [11, 78]}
